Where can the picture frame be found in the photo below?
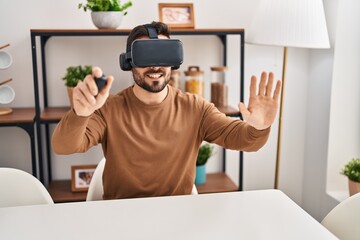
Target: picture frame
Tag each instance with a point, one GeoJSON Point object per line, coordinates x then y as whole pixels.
{"type": "Point", "coordinates": [177, 15]}
{"type": "Point", "coordinates": [81, 176]}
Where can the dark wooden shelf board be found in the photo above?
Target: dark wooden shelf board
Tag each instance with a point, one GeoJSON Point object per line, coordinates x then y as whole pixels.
{"type": "Point", "coordinates": [53, 114]}
{"type": "Point", "coordinates": [125, 32]}
{"type": "Point", "coordinates": [217, 182]}
{"type": "Point", "coordinates": [60, 191]}
{"type": "Point", "coordinates": [19, 115]}
{"type": "Point", "coordinates": [229, 111]}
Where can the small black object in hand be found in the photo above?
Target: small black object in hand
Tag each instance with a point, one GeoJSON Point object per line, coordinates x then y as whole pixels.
{"type": "Point", "coordinates": [100, 82]}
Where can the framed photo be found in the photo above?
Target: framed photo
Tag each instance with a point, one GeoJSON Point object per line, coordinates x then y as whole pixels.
{"type": "Point", "coordinates": [177, 15]}
{"type": "Point", "coordinates": [81, 177]}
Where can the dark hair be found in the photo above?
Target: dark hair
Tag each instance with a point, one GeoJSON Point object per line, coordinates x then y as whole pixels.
{"type": "Point", "coordinates": [141, 31]}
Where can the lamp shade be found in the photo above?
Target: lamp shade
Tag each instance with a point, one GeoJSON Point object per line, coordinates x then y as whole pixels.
{"type": "Point", "coordinates": [289, 23]}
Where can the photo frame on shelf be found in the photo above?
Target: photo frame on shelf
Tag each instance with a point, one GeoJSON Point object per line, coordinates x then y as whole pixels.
{"type": "Point", "coordinates": [81, 176]}
{"type": "Point", "coordinates": [177, 15]}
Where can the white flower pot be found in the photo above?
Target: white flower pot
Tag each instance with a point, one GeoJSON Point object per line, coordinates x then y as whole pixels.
{"type": "Point", "coordinates": [110, 20]}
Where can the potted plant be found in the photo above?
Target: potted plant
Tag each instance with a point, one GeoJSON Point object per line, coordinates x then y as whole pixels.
{"type": "Point", "coordinates": [106, 13]}
{"type": "Point", "coordinates": [205, 152]}
{"type": "Point", "coordinates": [73, 75]}
{"type": "Point", "coordinates": [352, 171]}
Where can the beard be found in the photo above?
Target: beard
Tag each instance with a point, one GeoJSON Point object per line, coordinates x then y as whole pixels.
{"type": "Point", "coordinates": [155, 86]}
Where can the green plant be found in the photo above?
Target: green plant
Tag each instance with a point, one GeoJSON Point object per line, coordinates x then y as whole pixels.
{"type": "Point", "coordinates": [205, 152]}
{"type": "Point", "coordinates": [352, 170]}
{"type": "Point", "coordinates": [75, 74]}
{"type": "Point", "coordinates": [105, 6]}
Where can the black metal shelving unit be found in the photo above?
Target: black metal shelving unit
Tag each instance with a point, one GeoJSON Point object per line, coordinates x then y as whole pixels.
{"type": "Point", "coordinates": [46, 115]}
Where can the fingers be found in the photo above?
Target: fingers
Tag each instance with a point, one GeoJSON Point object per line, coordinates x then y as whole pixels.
{"type": "Point", "coordinates": [104, 93]}
{"type": "Point", "coordinates": [96, 73]}
{"type": "Point", "coordinates": [269, 85]}
{"type": "Point", "coordinates": [83, 91]}
{"type": "Point", "coordinates": [86, 92]}
{"type": "Point", "coordinates": [109, 81]}
{"type": "Point", "coordinates": [262, 84]}
{"type": "Point", "coordinates": [265, 86]}
{"type": "Point", "coordinates": [253, 86]}
{"type": "Point", "coordinates": [277, 90]}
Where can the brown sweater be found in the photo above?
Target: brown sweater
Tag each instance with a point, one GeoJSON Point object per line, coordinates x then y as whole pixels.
{"type": "Point", "coordinates": [151, 150]}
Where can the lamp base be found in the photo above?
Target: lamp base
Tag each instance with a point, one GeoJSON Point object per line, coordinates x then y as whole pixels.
{"type": "Point", "coordinates": [4, 111]}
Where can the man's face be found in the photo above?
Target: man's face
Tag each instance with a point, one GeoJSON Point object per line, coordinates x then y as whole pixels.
{"type": "Point", "coordinates": [152, 79]}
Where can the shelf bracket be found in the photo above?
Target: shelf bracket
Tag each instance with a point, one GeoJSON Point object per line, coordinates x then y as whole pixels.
{"type": "Point", "coordinates": [224, 43]}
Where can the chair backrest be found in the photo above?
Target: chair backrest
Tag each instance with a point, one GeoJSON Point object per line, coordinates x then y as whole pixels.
{"type": "Point", "coordinates": [19, 188]}
{"type": "Point", "coordinates": [344, 220]}
{"type": "Point", "coordinates": [96, 189]}
{"type": "Point", "coordinates": [194, 190]}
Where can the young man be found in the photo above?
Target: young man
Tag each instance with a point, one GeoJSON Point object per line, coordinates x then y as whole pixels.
{"type": "Point", "coordinates": [150, 132]}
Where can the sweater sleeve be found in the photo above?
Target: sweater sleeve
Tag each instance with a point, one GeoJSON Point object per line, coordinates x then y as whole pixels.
{"type": "Point", "coordinates": [75, 134]}
{"type": "Point", "coordinates": [231, 133]}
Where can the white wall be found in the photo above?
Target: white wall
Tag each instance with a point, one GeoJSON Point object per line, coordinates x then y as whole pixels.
{"type": "Point", "coordinates": [344, 137]}
{"type": "Point", "coordinates": [307, 92]}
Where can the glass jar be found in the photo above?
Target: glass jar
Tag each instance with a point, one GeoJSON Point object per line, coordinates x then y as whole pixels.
{"type": "Point", "coordinates": [175, 78]}
{"type": "Point", "coordinates": [194, 82]}
{"type": "Point", "coordinates": [219, 89]}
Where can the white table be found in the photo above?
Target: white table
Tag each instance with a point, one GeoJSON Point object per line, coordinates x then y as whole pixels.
{"type": "Point", "coordinates": [265, 214]}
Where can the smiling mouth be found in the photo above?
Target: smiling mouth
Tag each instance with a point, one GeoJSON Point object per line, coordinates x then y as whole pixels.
{"type": "Point", "coordinates": [154, 75]}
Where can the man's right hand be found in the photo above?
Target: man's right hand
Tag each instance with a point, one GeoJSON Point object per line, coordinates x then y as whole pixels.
{"type": "Point", "coordinates": [86, 98]}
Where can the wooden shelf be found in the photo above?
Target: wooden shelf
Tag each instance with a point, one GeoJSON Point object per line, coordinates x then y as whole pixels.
{"type": "Point", "coordinates": [217, 182]}
{"type": "Point", "coordinates": [53, 114]}
{"type": "Point", "coordinates": [60, 190]}
{"type": "Point", "coordinates": [25, 119]}
{"type": "Point", "coordinates": [19, 115]}
{"type": "Point", "coordinates": [125, 32]}
{"type": "Point", "coordinates": [229, 111]}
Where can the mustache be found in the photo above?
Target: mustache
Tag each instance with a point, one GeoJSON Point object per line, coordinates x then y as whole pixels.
{"type": "Point", "coordinates": [155, 72]}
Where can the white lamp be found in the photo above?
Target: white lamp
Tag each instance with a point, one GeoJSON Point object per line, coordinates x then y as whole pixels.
{"type": "Point", "coordinates": [288, 23]}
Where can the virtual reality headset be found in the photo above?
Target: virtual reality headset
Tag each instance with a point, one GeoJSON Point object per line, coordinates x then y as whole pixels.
{"type": "Point", "coordinates": [152, 52]}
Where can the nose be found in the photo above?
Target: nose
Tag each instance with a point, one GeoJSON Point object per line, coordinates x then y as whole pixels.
{"type": "Point", "coordinates": [155, 68]}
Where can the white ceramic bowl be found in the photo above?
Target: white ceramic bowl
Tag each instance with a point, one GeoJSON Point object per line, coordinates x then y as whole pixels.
{"type": "Point", "coordinates": [5, 60]}
{"type": "Point", "coordinates": [7, 94]}
{"type": "Point", "coordinates": [107, 20]}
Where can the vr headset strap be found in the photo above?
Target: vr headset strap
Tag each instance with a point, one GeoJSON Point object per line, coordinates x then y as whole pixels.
{"type": "Point", "coordinates": [151, 31]}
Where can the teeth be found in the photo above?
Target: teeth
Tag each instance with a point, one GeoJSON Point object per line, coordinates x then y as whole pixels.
{"type": "Point", "coordinates": [154, 75]}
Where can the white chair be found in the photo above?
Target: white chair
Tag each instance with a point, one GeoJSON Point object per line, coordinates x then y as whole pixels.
{"type": "Point", "coordinates": [344, 220]}
{"type": "Point", "coordinates": [19, 188]}
{"type": "Point", "coordinates": [96, 189]}
{"type": "Point", "coordinates": [194, 190]}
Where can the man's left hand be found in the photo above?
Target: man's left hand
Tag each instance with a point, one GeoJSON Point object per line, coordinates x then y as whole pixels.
{"type": "Point", "coordinates": [263, 105]}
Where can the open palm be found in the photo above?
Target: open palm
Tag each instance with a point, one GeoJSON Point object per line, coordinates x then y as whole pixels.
{"type": "Point", "coordinates": [263, 104]}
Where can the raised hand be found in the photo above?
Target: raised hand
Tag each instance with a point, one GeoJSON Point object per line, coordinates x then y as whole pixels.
{"type": "Point", "coordinates": [86, 97]}
{"type": "Point", "coordinates": [263, 104]}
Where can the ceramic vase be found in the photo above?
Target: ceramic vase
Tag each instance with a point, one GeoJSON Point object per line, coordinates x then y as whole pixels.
{"type": "Point", "coordinates": [200, 174]}
{"type": "Point", "coordinates": [354, 187]}
{"type": "Point", "coordinates": [107, 20]}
